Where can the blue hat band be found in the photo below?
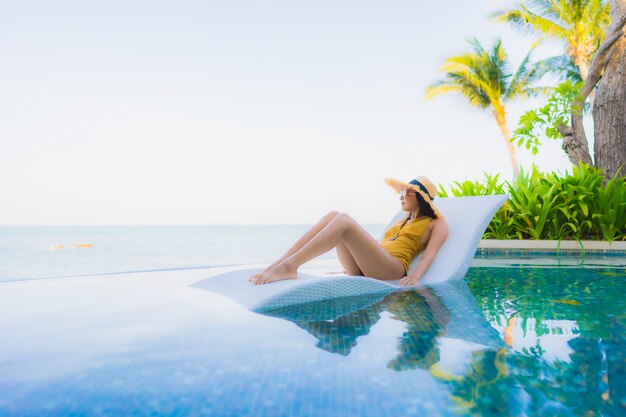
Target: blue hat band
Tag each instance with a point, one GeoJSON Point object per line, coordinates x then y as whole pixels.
{"type": "Point", "coordinates": [421, 187]}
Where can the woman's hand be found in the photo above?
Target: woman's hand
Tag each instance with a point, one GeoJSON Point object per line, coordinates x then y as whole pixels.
{"type": "Point", "coordinates": [409, 280]}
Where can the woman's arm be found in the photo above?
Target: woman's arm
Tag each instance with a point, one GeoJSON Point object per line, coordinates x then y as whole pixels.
{"type": "Point", "coordinates": [438, 235]}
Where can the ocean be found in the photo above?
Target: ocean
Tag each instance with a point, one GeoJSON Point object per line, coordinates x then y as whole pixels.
{"type": "Point", "coordinates": [39, 252]}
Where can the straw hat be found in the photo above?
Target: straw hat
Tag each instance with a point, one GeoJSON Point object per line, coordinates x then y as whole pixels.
{"type": "Point", "coordinates": [422, 185]}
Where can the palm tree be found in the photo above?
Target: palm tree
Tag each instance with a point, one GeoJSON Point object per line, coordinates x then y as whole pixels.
{"type": "Point", "coordinates": [579, 24]}
{"type": "Point", "coordinates": [485, 80]}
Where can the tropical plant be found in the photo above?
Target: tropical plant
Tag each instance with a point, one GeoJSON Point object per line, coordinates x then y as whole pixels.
{"type": "Point", "coordinates": [500, 226]}
{"type": "Point", "coordinates": [575, 197]}
{"type": "Point", "coordinates": [490, 186]}
{"type": "Point", "coordinates": [533, 198]}
{"type": "Point", "coordinates": [575, 206]}
{"type": "Point", "coordinates": [610, 209]}
{"type": "Point", "coordinates": [484, 78]}
{"type": "Point", "coordinates": [579, 24]}
{"type": "Point", "coordinates": [548, 120]}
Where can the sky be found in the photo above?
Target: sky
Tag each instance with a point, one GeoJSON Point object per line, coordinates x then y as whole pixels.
{"type": "Point", "coordinates": [240, 112]}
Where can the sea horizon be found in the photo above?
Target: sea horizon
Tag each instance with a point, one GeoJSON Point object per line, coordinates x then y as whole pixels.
{"type": "Point", "coordinates": [42, 252]}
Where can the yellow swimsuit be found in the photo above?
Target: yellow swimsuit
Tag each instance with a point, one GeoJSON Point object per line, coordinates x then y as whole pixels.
{"type": "Point", "coordinates": [402, 240]}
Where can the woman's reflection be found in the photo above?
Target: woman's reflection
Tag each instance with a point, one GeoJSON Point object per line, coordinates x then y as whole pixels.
{"type": "Point", "coordinates": [426, 318]}
{"type": "Point", "coordinates": [422, 310]}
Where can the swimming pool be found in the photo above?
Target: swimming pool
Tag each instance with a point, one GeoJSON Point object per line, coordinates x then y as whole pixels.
{"type": "Point", "coordinates": [517, 337]}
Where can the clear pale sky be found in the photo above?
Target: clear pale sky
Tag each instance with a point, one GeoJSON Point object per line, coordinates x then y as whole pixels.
{"type": "Point", "coordinates": [224, 112]}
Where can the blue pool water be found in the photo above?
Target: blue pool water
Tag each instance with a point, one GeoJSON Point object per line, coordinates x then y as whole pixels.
{"type": "Point", "coordinates": [523, 336]}
{"type": "Point", "coordinates": [506, 341]}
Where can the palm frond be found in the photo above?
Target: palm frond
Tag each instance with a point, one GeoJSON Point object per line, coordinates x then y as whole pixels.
{"type": "Point", "coordinates": [483, 76]}
{"type": "Point", "coordinates": [599, 19]}
{"type": "Point", "coordinates": [525, 74]}
{"type": "Point", "coordinates": [562, 65]}
{"type": "Point", "coordinates": [469, 84]}
{"type": "Point", "coordinates": [535, 91]}
{"type": "Point", "coordinates": [533, 23]}
{"type": "Point", "coordinates": [549, 9]}
{"type": "Point", "coordinates": [440, 88]}
{"type": "Point", "coordinates": [580, 24]}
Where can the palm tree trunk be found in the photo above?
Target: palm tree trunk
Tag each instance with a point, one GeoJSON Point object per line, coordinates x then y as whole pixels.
{"type": "Point", "coordinates": [582, 62]}
{"type": "Point", "coordinates": [500, 115]}
{"type": "Point", "coordinates": [609, 116]}
{"type": "Point", "coordinates": [610, 125]}
{"type": "Point", "coordinates": [583, 66]}
{"type": "Point", "coordinates": [575, 142]}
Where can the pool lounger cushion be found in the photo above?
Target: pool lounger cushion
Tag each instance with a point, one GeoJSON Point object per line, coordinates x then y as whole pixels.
{"type": "Point", "coordinates": [467, 219]}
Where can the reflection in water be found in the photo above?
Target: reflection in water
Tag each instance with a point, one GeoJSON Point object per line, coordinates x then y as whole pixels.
{"type": "Point", "coordinates": [417, 347]}
{"type": "Point", "coordinates": [340, 335]}
{"type": "Point", "coordinates": [338, 323]}
{"type": "Point", "coordinates": [487, 387]}
{"type": "Point", "coordinates": [558, 352]}
{"type": "Point", "coordinates": [426, 318]}
{"type": "Point", "coordinates": [567, 330]}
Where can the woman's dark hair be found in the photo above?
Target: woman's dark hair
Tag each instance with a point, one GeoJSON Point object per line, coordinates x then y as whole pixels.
{"type": "Point", "coordinates": [425, 209]}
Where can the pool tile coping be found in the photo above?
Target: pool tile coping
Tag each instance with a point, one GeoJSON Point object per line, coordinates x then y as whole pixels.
{"type": "Point", "coordinates": [494, 247]}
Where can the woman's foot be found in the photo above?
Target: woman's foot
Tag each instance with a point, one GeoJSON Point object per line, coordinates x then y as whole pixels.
{"type": "Point", "coordinates": [276, 273]}
{"type": "Point", "coordinates": [255, 276]}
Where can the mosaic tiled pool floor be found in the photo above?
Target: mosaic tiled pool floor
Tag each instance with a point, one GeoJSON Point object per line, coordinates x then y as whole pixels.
{"type": "Point", "coordinates": [508, 341]}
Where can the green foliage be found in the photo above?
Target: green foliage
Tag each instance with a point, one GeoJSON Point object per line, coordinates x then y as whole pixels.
{"type": "Point", "coordinates": [489, 187]}
{"type": "Point", "coordinates": [485, 77]}
{"type": "Point", "coordinates": [579, 25]}
{"type": "Point", "coordinates": [576, 206]}
{"type": "Point", "coordinates": [610, 209]}
{"type": "Point", "coordinates": [562, 66]}
{"type": "Point", "coordinates": [546, 120]}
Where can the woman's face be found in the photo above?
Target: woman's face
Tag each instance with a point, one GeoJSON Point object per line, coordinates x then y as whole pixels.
{"type": "Point", "coordinates": [408, 200]}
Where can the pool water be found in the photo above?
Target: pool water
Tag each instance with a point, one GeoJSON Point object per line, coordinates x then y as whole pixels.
{"type": "Point", "coordinates": [565, 329]}
{"type": "Point", "coordinates": [506, 341]}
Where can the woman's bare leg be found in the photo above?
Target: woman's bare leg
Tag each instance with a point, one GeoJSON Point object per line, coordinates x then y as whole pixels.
{"type": "Point", "coordinates": [304, 239]}
{"type": "Point", "coordinates": [347, 260]}
{"type": "Point", "coordinates": [369, 255]}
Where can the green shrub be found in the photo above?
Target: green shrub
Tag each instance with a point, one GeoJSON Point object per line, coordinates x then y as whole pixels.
{"type": "Point", "coordinates": [576, 206]}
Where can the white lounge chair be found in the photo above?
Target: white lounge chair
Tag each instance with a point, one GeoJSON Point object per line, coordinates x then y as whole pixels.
{"type": "Point", "coordinates": [467, 218]}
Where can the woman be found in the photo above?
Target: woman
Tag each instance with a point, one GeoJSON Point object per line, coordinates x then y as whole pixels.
{"type": "Point", "coordinates": [360, 253]}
